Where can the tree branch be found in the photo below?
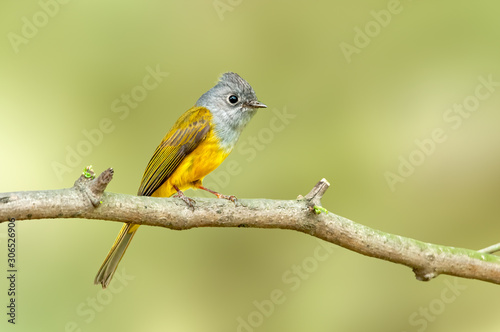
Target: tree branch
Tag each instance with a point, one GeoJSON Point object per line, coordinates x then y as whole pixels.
{"type": "Point", "coordinates": [87, 200]}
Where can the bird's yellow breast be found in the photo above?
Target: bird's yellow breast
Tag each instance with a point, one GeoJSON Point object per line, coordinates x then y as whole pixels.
{"type": "Point", "coordinates": [195, 166]}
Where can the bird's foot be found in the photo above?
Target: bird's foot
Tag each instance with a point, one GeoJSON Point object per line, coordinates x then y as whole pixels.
{"type": "Point", "coordinates": [230, 198]}
{"type": "Point", "coordinates": [218, 195]}
{"type": "Point", "coordinates": [188, 200]}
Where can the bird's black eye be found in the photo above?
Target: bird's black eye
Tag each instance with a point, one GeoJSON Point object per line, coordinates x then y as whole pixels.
{"type": "Point", "coordinates": [233, 99]}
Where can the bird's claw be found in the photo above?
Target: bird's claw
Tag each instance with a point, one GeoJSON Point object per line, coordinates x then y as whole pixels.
{"type": "Point", "coordinates": [188, 200]}
{"type": "Point", "coordinates": [228, 197]}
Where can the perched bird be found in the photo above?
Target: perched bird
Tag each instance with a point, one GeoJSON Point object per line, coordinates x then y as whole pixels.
{"type": "Point", "coordinates": [196, 145]}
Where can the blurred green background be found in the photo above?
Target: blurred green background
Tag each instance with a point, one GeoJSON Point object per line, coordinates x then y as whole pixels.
{"type": "Point", "coordinates": [353, 116]}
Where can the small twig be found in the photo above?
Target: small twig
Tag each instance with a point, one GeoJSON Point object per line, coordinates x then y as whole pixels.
{"type": "Point", "coordinates": [316, 193]}
{"type": "Point", "coordinates": [92, 187]}
{"type": "Point", "coordinates": [87, 199]}
{"type": "Point", "coordinates": [491, 249]}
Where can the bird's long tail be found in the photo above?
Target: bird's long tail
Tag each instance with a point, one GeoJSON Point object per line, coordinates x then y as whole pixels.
{"type": "Point", "coordinates": [115, 254]}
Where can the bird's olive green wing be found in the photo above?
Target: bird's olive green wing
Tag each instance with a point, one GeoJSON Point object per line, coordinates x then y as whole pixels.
{"type": "Point", "coordinates": [186, 134]}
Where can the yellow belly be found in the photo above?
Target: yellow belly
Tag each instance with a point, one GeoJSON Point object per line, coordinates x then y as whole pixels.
{"type": "Point", "coordinates": [191, 171]}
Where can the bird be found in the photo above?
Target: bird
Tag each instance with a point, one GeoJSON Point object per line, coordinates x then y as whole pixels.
{"type": "Point", "coordinates": [197, 144]}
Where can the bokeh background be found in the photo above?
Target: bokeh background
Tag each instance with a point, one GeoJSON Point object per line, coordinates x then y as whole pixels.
{"type": "Point", "coordinates": [352, 117]}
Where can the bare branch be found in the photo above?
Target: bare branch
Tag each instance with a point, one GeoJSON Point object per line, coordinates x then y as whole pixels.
{"type": "Point", "coordinates": [87, 200]}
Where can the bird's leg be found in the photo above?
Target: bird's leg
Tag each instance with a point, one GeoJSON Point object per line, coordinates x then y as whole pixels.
{"type": "Point", "coordinates": [231, 198]}
{"type": "Point", "coordinates": [189, 201]}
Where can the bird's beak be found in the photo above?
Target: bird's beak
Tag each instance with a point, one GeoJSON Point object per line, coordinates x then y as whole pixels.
{"type": "Point", "coordinates": [256, 104]}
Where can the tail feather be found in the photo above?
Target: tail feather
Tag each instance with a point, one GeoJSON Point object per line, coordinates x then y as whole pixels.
{"type": "Point", "coordinates": [108, 267]}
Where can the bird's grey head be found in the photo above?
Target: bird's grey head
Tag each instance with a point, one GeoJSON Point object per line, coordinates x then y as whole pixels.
{"type": "Point", "coordinates": [232, 103]}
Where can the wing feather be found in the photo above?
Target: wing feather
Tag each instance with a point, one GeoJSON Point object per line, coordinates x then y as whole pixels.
{"type": "Point", "coordinates": [186, 134]}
